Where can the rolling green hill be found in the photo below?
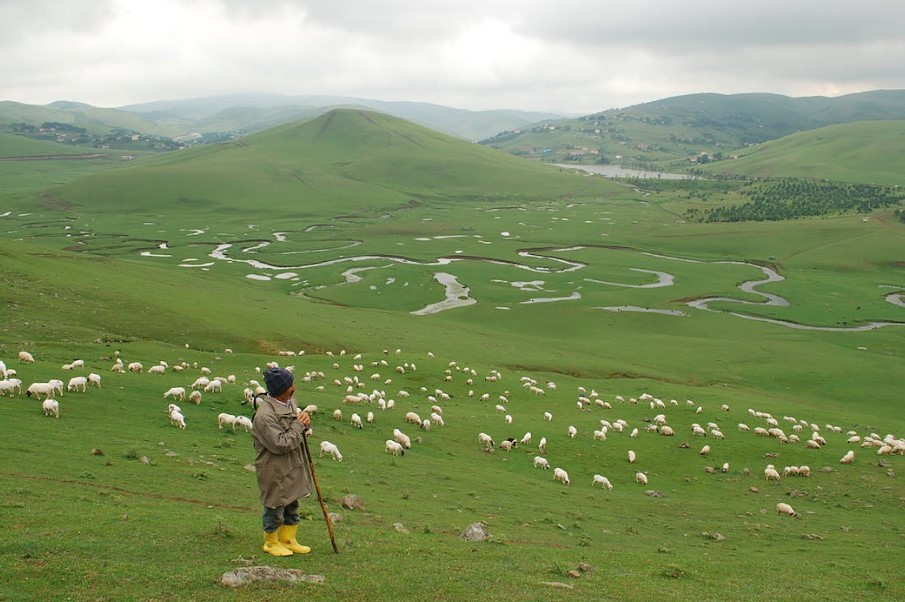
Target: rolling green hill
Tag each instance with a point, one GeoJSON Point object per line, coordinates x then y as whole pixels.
{"type": "Point", "coordinates": [686, 130]}
{"type": "Point", "coordinates": [868, 152]}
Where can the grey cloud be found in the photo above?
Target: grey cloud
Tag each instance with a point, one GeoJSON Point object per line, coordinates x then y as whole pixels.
{"type": "Point", "coordinates": [19, 19]}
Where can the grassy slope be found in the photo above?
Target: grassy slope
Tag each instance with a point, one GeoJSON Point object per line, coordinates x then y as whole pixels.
{"type": "Point", "coordinates": [866, 151]}
{"type": "Point", "coordinates": [125, 525]}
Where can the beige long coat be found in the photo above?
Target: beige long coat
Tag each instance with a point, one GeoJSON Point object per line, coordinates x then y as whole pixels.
{"type": "Point", "coordinates": [280, 463]}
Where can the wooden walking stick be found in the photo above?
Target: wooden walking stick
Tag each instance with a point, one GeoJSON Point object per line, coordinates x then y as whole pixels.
{"type": "Point", "coordinates": [317, 488]}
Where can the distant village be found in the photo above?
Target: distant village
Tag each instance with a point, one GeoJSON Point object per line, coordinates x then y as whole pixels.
{"type": "Point", "coordinates": [118, 138]}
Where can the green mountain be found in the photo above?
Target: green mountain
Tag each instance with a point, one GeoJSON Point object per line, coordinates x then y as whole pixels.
{"type": "Point", "coordinates": [346, 158]}
{"type": "Point", "coordinates": [688, 130]}
{"type": "Point", "coordinates": [867, 152]}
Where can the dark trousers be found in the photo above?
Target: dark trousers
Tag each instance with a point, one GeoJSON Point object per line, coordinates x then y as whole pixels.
{"type": "Point", "coordinates": [284, 515]}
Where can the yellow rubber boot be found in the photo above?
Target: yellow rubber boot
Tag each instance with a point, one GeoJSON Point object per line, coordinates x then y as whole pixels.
{"type": "Point", "coordinates": [273, 546]}
{"type": "Point", "coordinates": [287, 539]}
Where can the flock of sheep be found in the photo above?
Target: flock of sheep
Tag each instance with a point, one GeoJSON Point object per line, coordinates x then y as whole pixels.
{"type": "Point", "coordinates": [350, 390]}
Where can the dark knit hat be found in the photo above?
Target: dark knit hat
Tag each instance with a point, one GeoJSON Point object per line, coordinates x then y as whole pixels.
{"type": "Point", "coordinates": [278, 380]}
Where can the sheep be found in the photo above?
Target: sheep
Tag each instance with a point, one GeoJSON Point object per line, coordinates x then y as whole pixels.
{"type": "Point", "coordinates": [370, 418]}
{"type": "Point", "coordinates": [561, 475]}
{"type": "Point", "coordinates": [641, 478]}
{"type": "Point", "coordinates": [26, 357]}
{"type": "Point", "coordinates": [804, 471]}
{"type": "Point", "coordinates": [548, 416]}
{"type": "Point", "coordinates": [771, 474]}
{"type": "Point", "coordinates": [245, 422]}
{"type": "Point", "coordinates": [437, 419]}
{"type": "Point", "coordinates": [201, 382]}
{"type": "Point", "coordinates": [7, 385]}
{"type": "Point", "coordinates": [214, 385]}
{"type": "Point", "coordinates": [135, 367]}
{"type": "Point", "coordinates": [57, 384]}
{"type": "Point", "coordinates": [485, 441]}
{"type": "Point", "coordinates": [116, 368]}
{"type": "Point", "coordinates": [542, 445]}
{"type": "Point", "coordinates": [573, 432]}
{"type": "Point", "coordinates": [541, 462]}
{"type": "Point", "coordinates": [783, 508]}
{"type": "Point", "coordinates": [666, 431]}
{"type": "Point", "coordinates": [743, 427]}
{"type": "Point", "coordinates": [338, 415]}
{"type": "Point", "coordinates": [51, 407]}
{"type": "Point", "coordinates": [631, 457]}
{"type": "Point", "coordinates": [506, 445]}
{"type": "Point", "coordinates": [94, 379]}
{"type": "Point", "coordinates": [393, 447]}
{"type": "Point", "coordinates": [634, 433]}
{"type": "Point", "coordinates": [402, 439]}
{"type": "Point", "coordinates": [601, 480]}
{"type": "Point", "coordinates": [507, 419]}
{"type": "Point", "coordinates": [173, 408]}
{"type": "Point", "coordinates": [848, 458]}
{"type": "Point", "coordinates": [77, 382]}
{"type": "Point", "coordinates": [705, 451]}
{"type": "Point", "coordinates": [330, 448]}
{"type": "Point", "coordinates": [224, 419]}
{"type": "Point", "coordinates": [195, 397]}
{"type": "Point", "coordinates": [38, 389]}
{"type": "Point", "coordinates": [600, 435]}
{"type": "Point", "coordinates": [355, 421]}
{"type": "Point", "coordinates": [412, 418]}
{"type": "Point", "coordinates": [158, 369]}
{"type": "Point", "coordinates": [177, 419]}
{"type": "Point", "coordinates": [725, 467]}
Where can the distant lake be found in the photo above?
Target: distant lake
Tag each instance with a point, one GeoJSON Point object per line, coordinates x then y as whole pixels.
{"type": "Point", "coordinates": [614, 171]}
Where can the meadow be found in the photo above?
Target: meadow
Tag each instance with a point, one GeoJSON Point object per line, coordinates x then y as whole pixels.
{"type": "Point", "coordinates": [109, 268]}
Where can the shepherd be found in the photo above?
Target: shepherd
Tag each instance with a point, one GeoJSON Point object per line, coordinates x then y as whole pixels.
{"type": "Point", "coordinates": [281, 465]}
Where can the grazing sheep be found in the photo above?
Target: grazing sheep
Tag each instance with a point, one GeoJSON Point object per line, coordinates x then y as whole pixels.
{"type": "Point", "coordinates": [631, 457]}
{"type": "Point", "coordinates": [804, 471]}
{"type": "Point", "coordinates": [356, 422]}
{"type": "Point", "coordinates": [485, 441]}
{"type": "Point", "coordinates": [38, 389]}
{"type": "Point", "coordinates": [51, 407]}
{"type": "Point", "coordinates": [195, 397]}
{"type": "Point", "coordinates": [600, 435]}
{"type": "Point", "coordinates": [705, 451]}
{"type": "Point", "coordinates": [771, 474]}
{"type": "Point", "coordinates": [245, 422]}
{"type": "Point", "coordinates": [641, 478]}
{"type": "Point", "coordinates": [330, 448]}
{"type": "Point", "coordinates": [743, 427]}
{"type": "Point", "coordinates": [542, 445]}
{"type": "Point", "coordinates": [562, 476]}
{"type": "Point", "coordinates": [224, 419]}
{"type": "Point", "coordinates": [370, 418]}
{"type": "Point", "coordinates": [26, 357]}
{"type": "Point", "coordinates": [725, 467]}
{"type": "Point", "coordinates": [95, 379]}
{"type": "Point", "coordinates": [666, 431]}
{"type": "Point", "coordinates": [848, 458]}
{"type": "Point", "coordinates": [393, 447]}
{"type": "Point", "coordinates": [201, 382]}
{"type": "Point", "coordinates": [177, 419]}
{"type": "Point", "coordinates": [136, 367]}
{"type": "Point", "coordinates": [548, 416]}
{"type": "Point", "coordinates": [783, 508]}
{"type": "Point", "coordinates": [437, 419]}
{"type": "Point", "coordinates": [158, 369]}
{"type": "Point", "coordinates": [573, 432]}
{"type": "Point", "coordinates": [402, 438]}
{"type": "Point", "coordinates": [338, 415]}
{"type": "Point", "coordinates": [57, 384]}
{"type": "Point", "coordinates": [541, 462]}
{"type": "Point", "coordinates": [214, 385]}
{"type": "Point", "coordinates": [412, 417]}
{"type": "Point", "coordinates": [507, 419]}
{"type": "Point", "coordinates": [602, 481]}
{"type": "Point", "coordinates": [634, 433]}
{"type": "Point", "coordinates": [506, 445]}
{"type": "Point", "coordinates": [77, 382]}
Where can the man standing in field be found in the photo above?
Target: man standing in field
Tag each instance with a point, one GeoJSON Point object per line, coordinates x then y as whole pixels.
{"type": "Point", "coordinates": [280, 464]}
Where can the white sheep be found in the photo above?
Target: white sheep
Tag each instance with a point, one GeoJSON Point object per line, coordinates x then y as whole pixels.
{"type": "Point", "coordinates": [705, 451]}
{"type": "Point", "coordinates": [224, 419]}
{"type": "Point", "coordinates": [561, 475]}
{"type": "Point", "coordinates": [526, 438]}
{"type": "Point", "coordinates": [548, 416]}
{"type": "Point", "coordinates": [631, 457]}
{"type": "Point", "coordinates": [51, 407]}
{"type": "Point", "coordinates": [338, 415]}
{"type": "Point", "coordinates": [77, 382]}
{"type": "Point", "coordinates": [355, 421]}
{"type": "Point", "coordinates": [201, 382]}
{"type": "Point", "coordinates": [507, 419]}
{"type": "Point", "coordinates": [245, 422]}
{"type": "Point", "coordinates": [38, 389]}
{"type": "Point", "coordinates": [26, 357]}
{"type": "Point", "coordinates": [330, 448]}
{"type": "Point", "coordinates": [602, 481]}
{"type": "Point", "coordinates": [641, 478]}
{"type": "Point", "coordinates": [214, 385]}
{"type": "Point", "coordinates": [403, 439]}
{"type": "Point", "coordinates": [393, 447]}
{"type": "Point", "coordinates": [135, 367]}
{"type": "Point", "coordinates": [157, 369]}
{"type": "Point", "coordinates": [848, 458]}
{"type": "Point", "coordinates": [195, 397]}
{"type": "Point", "coordinates": [771, 474]}
{"type": "Point", "coordinates": [177, 419]}
{"type": "Point", "coordinates": [370, 418]}
{"type": "Point", "coordinates": [743, 427]}
{"type": "Point", "coordinates": [506, 445]}
{"type": "Point", "coordinates": [666, 431]}
{"type": "Point", "coordinates": [573, 432]}
{"type": "Point", "coordinates": [542, 445]}
{"type": "Point", "coordinates": [437, 419]}
{"type": "Point", "coordinates": [783, 508]}
{"type": "Point", "coordinates": [485, 441]}
{"type": "Point", "coordinates": [541, 462]}
{"type": "Point", "coordinates": [95, 379]}
{"type": "Point", "coordinates": [413, 418]}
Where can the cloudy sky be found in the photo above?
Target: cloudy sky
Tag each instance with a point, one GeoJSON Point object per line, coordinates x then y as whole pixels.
{"type": "Point", "coordinates": [576, 56]}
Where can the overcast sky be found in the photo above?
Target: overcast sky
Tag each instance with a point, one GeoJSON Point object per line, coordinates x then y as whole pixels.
{"type": "Point", "coordinates": [575, 56]}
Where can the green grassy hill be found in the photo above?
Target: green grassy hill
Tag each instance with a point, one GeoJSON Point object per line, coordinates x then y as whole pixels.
{"type": "Point", "coordinates": [677, 132]}
{"type": "Point", "coordinates": [328, 239]}
{"type": "Point", "coordinates": [867, 152]}
{"type": "Point", "coordinates": [94, 119]}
